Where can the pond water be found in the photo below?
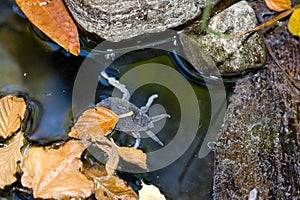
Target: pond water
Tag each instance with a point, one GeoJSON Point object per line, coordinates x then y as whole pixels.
{"type": "Point", "coordinates": [47, 74]}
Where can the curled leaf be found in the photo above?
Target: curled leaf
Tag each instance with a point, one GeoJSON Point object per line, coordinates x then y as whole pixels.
{"type": "Point", "coordinates": [134, 156]}
{"type": "Point", "coordinates": [112, 151]}
{"type": "Point", "coordinates": [279, 5]}
{"type": "Point", "coordinates": [109, 187]}
{"type": "Point", "coordinates": [55, 173]}
{"type": "Point", "coordinates": [9, 156]}
{"type": "Point", "coordinates": [130, 155]}
{"type": "Point", "coordinates": [294, 22]}
{"type": "Point", "coordinates": [12, 111]}
{"type": "Point", "coordinates": [95, 124]}
{"type": "Point", "coordinates": [53, 18]}
{"type": "Point", "coordinates": [150, 192]}
{"type": "Point", "coordinates": [95, 121]}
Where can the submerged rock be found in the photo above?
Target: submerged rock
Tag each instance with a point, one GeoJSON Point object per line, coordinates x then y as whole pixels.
{"type": "Point", "coordinates": [117, 20]}
{"type": "Point", "coordinates": [231, 56]}
{"type": "Point", "coordinates": [258, 149]}
{"type": "Point", "coordinates": [10, 71]}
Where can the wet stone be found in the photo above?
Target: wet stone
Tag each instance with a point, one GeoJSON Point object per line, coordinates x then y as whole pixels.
{"type": "Point", "coordinates": [117, 20]}
{"type": "Point", "coordinates": [231, 56]}
{"type": "Point", "coordinates": [258, 148]}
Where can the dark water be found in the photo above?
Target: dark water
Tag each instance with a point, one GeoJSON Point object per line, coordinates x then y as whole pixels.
{"type": "Point", "coordinates": [48, 74]}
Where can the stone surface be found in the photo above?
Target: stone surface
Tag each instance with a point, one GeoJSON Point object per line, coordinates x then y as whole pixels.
{"type": "Point", "coordinates": [116, 20]}
{"type": "Point", "coordinates": [231, 56]}
{"type": "Point", "coordinates": [258, 148]}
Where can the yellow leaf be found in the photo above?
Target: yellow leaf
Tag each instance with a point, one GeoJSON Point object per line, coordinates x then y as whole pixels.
{"type": "Point", "coordinates": [279, 5]}
{"type": "Point", "coordinates": [95, 121]}
{"type": "Point", "coordinates": [55, 173]}
{"type": "Point", "coordinates": [109, 187]}
{"type": "Point", "coordinates": [12, 111]}
{"type": "Point", "coordinates": [52, 17]}
{"type": "Point", "coordinates": [9, 156]}
{"type": "Point", "coordinates": [150, 192]}
{"type": "Point", "coordinates": [294, 23]}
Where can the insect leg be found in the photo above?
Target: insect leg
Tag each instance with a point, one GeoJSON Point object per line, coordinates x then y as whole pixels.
{"type": "Point", "coordinates": [159, 117]}
{"type": "Point", "coordinates": [153, 137]}
{"type": "Point", "coordinates": [118, 85]}
{"type": "Point", "coordinates": [137, 137]}
{"type": "Point", "coordinates": [145, 108]}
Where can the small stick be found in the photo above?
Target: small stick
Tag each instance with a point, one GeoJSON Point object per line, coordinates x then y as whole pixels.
{"type": "Point", "coordinates": [268, 23]}
{"type": "Point", "coordinates": [126, 114]}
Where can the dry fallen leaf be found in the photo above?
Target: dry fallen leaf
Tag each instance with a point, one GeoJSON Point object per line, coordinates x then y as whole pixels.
{"type": "Point", "coordinates": [294, 22]}
{"type": "Point", "coordinates": [94, 122]}
{"type": "Point", "coordinates": [12, 110]}
{"type": "Point", "coordinates": [110, 149]}
{"type": "Point", "coordinates": [9, 156]}
{"type": "Point", "coordinates": [53, 18]}
{"type": "Point", "coordinates": [150, 192]}
{"type": "Point", "coordinates": [279, 5]}
{"type": "Point", "coordinates": [114, 152]}
{"type": "Point", "coordinates": [55, 173]}
{"type": "Point", "coordinates": [109, 187]}
{"type": "Point", "coordinates": [133, 156]}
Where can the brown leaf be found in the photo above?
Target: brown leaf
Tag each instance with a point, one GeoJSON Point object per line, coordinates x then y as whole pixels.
{"type": "Point", "coordinates": [55, 173]}
{"type": "Point", "coordinates": [279, 5]}
{"type": "Point", "coordinates": [114, 152]}
{"type": "Point", "coordinates": [12, 110]}
{"type": "Point", "coordinates": [150, 192]}
{"type": "Point", "coordinates": [111, 150]}
{"type": "Point", "coordinates": [109, 187]}
{"type": "Point", "coordinates": [93, 122]}
{"type": "Point", "coordinates": [134, 156]}
{"type": "Point", "coordinates": [9, 156]}
{"type": "Point", "coordinates": [53, 18]}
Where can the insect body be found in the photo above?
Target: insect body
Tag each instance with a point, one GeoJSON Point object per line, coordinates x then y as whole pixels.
{"type": "Point", "coordinates": [139, 120]}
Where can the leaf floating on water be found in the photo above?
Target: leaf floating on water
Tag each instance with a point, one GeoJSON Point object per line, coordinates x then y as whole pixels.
{"type": "Point", "coordinates": [111, 150]}
{"type": "Point", "coordinates": [278, 5]}
{"type": "Point", "coordinates": [150, 192]}
{"type": "Point", "coordinates": [12, 110]}
{"type": "Point", "coordinates": [9, 156]}
{"type": "Point", "coordinates": [53, 18]}
{"type": "Point", "coordinates": [93, 122]}
{"type": "Point", "coordinates": [55, 173]}
{"type": "Point", "coordinates": [109, 187]}
{"type": "Point", "coordinates": [114, 152]}
{"type": "Point", "coordinates": [294, 22]}
{"type": "Point", "coordinates": [134, 156]}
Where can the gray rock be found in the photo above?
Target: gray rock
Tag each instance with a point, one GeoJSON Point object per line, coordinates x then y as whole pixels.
{"type": "Point", "coordinates": [232, 56]}
{"type": "Point", "coordinates": [258, 147]}
{"type": "Point", "coordinates": [116, 20]}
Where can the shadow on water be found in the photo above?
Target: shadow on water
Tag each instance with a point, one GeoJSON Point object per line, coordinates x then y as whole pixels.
{"type": "Point", "coordinates": [48, 75]}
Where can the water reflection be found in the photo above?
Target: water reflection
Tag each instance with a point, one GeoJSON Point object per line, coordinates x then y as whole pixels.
{"type": "Point", "coordinates": [49, 76]}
